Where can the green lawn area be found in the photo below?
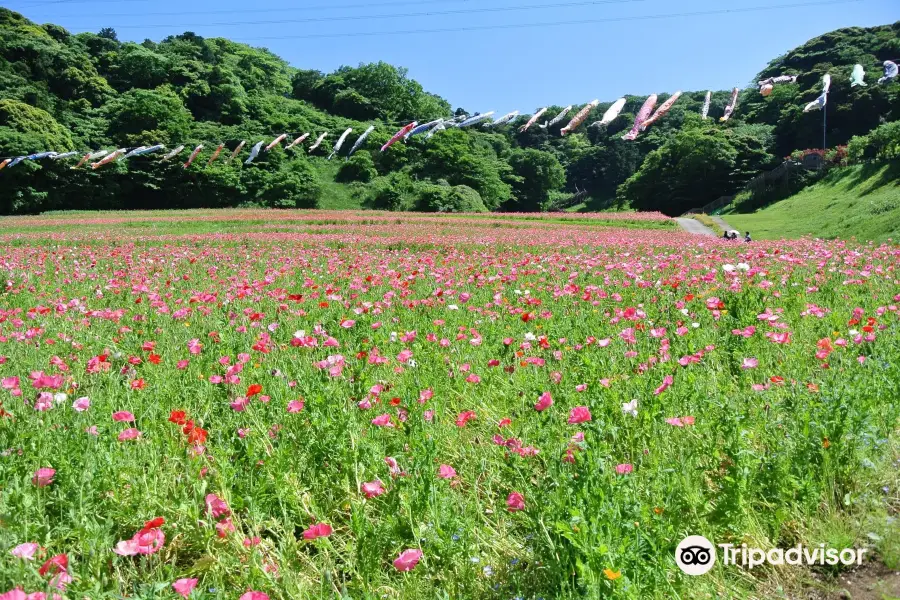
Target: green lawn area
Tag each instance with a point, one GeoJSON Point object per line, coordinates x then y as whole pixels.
{"type": "Point", "coordinates": [862, 201]}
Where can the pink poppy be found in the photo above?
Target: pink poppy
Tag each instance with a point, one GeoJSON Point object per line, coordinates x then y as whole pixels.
{"type": "Point", "coordinates": [240, 404]}
{"type": "Point", "coordinates": [407, 560]}
{"type": "Point", "coordinates": [464, 417]}
{"type": "Point", "coordinates": [473, 378]}
{"type": "Point", "coordinates": [675, 422]}
{"type": "Point", "coordinates": [43, 476]}
{"type": "Point", "coordinates": [404, 355]}
{"type": "Point", "coordinates": [580, 387]}
{"type": "Point", "coordinates": [224, 527]}
{"type": "Point", "coordinates": [579, 414]}
{"type": "Point", "coordinates": [182, 364]}
{"type": "Point", "coordinates": [216, 507]}
{"type": "Point", "coordinates": [252, 542]}
{"type": "Point", "coordinates": [544, 402]}
{"type": "Point", "coordinates": [25, 551]}
{"type": "Point", "coordinates": [749, 363]}
{"type": "Point", "coordinates": [295, 406]}
{"type": "Point", "coordinates": [515, 502]}
{"type": "Point", "coordinates": [667, 381]}
{"type": "Point", "coordinates": [16, 594]}
{"type": "Point", "coordinates": [148, 540]}
{"type": "Point", "coordinates": [446, 472]}
{"type": "Point", "coordinates": [689, 420]}
{"type": "Point", "coordinates": [382, 420]}
{"type": "Point", "coordinates": [82, 404]}
{"type": "Point", "coordinates": [92, 430]}
{"type": "Point", "coordinates": [123, 416]}
{"type": "Point", "coordinates": [10, 383]}
{"type": "Point", "coordinates": [316, 531]}
{"type": "Point", "coordinates": [129, 434]}
{"type": "Point", "coordinates": [251, 595]}
{"type": "Point", "coordinates": [184, 586]}
{"type": "Point", "coordinates": [373, 489]}
{"type": "Point", "coordinates": [624, 469]}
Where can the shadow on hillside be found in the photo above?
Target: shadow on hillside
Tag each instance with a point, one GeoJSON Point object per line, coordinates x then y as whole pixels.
{"type": "Point", "coordinates": [875, 175]}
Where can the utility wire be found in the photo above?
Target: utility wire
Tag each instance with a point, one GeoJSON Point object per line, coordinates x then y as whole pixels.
{"type": "Point", "coordinates": [461, 11]}
{"type": "Point", "coordinates": [397, 32]}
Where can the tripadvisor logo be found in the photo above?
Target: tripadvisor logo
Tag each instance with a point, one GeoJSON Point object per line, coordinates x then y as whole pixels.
{"type": "Point", "coordinates": [696, 555]}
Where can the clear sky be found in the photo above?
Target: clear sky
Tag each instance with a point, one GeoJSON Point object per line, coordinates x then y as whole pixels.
{"type": "Point", "coordinates": [628, 49]}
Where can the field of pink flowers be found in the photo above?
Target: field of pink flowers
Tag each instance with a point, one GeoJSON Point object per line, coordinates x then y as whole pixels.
{"type": "Point", "coordinates": [425, 409]}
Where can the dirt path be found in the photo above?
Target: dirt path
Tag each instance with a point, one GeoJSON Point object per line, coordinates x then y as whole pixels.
{"type": "Point", "coordinates": [694, 226]}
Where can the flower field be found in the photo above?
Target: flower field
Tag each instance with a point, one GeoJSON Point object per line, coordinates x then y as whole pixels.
{"type": "Point", "coordinates": [329, 407]}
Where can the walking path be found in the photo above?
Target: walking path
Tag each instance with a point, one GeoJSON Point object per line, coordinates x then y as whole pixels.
{"type": "Point", "coordinates": [721, 223]}
{"type": "Point", "coordinates": [694, 226]}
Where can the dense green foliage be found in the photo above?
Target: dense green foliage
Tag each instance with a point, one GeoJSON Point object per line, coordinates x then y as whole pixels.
{"type": "Point", "coordinates": [90, 91]}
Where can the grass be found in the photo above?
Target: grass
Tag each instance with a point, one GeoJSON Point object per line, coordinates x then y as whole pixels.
{"type": "Point", "coordinates": [862, 202]}
{"type": "Point", "coordinates": [310, 359]}
{"type": "Point", "coordinates": [708, 222]}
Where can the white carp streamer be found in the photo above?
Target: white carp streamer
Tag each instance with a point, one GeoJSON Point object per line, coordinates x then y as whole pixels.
{"type": "Point", "coordinates": [299, 140]}
{"type": "Point", "coordinates": [63, 155]}
{"type": "Point", "coordinates": [145, 150]}
{"type": "Point", "coordinates": [437, 128]}
{"type": "Point", "coordinates": [475, 119]}
{"type": "Point", "coordinates": [729, 109]}
{"type": "Point", "coordinates": [858, 77]}
{"type": "Point", "coordinates": [557, 118]}
{"type": "Point", "coordinates": [275, 142]}
{"type": "Point", "coordinates": [133, 152]}
{"type": "Point", "coordinates": [777, 80]}
{"type": "Point", "coordinates": [890, 71]}
{"type": "Point", "coordinates": [193, 155]}
{"type": "Point", "coordinates": [580, 117]}
{"type": "Point", "coordinates": [533, 120]}
{"type": "Point", "coordinates": [359, 142]}
{"type": "Point", "coordinates": [175, 151]}
{"type": "Point", "coordinates": [215, 155]}
{"type": "Point", "coordinates": [821, 101]}
{"type": "Point", "coordinates": [318, 141]}
{"type": "Point", "coordinates": [109, 158]}
{"type": "Point", "coordinates": [503, 120]}
{"type": "Point", "coordinates": [664, 108]}
{"type": "Point", "coordinates": [642, 116]}
{"type": "Point", "coordinates": [340, 142]}
{"type": "Point", "coordinates": [704, 114]}
{"type": "Point", "coordinates": [611, 114]}
{"type": "Point", "coordinates": [236, 151]}
{"type": "Point", "coordinates": [254, 152]}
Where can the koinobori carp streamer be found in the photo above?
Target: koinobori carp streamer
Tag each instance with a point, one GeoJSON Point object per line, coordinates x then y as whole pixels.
{"type": "Point", "coordinates": [533, 119]}
{"type": "Point", "coordinates": [360, 140]}
{"type": "Point", "coordinates": [340, 142]}
{"type": "Point", "coordinates": [399, 135]}
{"type": "Point", "coordinates": [664, 108]}
{"type": "Point", "coordinates": [642, 116]}
{"type": "Point", "coordinates": [579, 118]}
{"type": "Point", "coordinates": [732, 104]}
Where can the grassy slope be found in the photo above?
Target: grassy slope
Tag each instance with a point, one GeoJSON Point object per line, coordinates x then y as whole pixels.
{"type": "Point", "coordinates": [861, 201]}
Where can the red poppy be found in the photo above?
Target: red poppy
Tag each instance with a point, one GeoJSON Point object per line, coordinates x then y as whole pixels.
{"type": "Point", "coordinates": [253, 390]}
{"type": "Point", "coordinates": [197, 435]}
{"type": "Point", "coordinates": [323, 305]}
{"type": "Point", "coordinates": [154, 523]}
{"type": "Point", "coordinates": [154, 358]}
{"type": "Point", "coordinates": [57, 564]}
{"type": "Point", "coordinates": [178, 417]}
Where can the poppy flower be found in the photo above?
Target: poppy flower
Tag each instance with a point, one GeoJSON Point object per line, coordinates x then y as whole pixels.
{"type": "Point", "coordinates": [148, 540]}
{"type": "Point", "coordinates": [178, 417]}
{"type": "Point", "coordinates": [579, 414]}
{"type": "Point", "coordinates": [544, 402]}
{"type": "Point", "coordinates": [446, 472]}
{"type": "Point", "coordinates": [253, 390]}
{"type": "Point", "coordinates": [407, 560]}
{"type": "Point", "coordinates": [123, 416]}
{"type": "Point", "coordinates": [515, 502]}
{"type": "Point", "coordinates": [54, 565]}
{"type": "Point", "coordinates": [316, 531]}
{"type": "Point", "coordinates": [43, 476]}
{"type": "Point", "coordinates": [624, 469]}
{"type": "Point", "coordinates": [295, 406]}
{"type": "Point", "coordinates": [25, 551]}
{"type": "Point", "coordinates": [184, 586]}
{"type": "Point", "coordinates": [373, 489]}
{"type": "Point", "coordinates": [81, 404]}
{"type": "Point", "coordinates": [216, 507]}
{"type": "Point", "coordinates": [749, 363]}
{"type": "Point", "coordinates": [129, 434]}
{"type": "Point", "coordinates": [251, 595]}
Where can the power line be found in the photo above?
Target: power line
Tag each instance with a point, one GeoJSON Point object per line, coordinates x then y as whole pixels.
{"type": "Point", "coordinates": [461, 11]}
{"type": "Point", "coordinates": [244, 10]}
{"type": "Point", "coordinates": [547, 24]}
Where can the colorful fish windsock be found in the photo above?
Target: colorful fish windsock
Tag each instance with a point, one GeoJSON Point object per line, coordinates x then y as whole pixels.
{"type": "Point", "coordinates": [436, 129]}
{"type": "Point", "coordinates": [503, 120]}
{"type": "Point", "coordinates": [776, 80]}
{"type": "Point", "coordinates": [145, 150]}
{"type": "Point", "coordinates": [175, 151]}
{"type": "Point", "coordinates": [109, 158]}
{"type": "Point", "coordinates": [731, 105]}
{"type": "Point", "coordinates": [557, 118]}
{"type": "Point", "coordinates": [215, 155]}
{"type": "Point", "coordinates": [664, 108]}
{"type": "Point", "coordinates": [299, 140]}
{"type": "Point", "coordinates": [858, 77]}
{"type": "Point", "coordinates": [422, 128]}
{"type": "Point", "coordinates": [5, 162]}
{"type": "Point", "coordinates": [533, 119]}
{"type": "Point", "coordinates": [90, 156]}
{"type": "Point", "coordinates": [40, 155]}
{"type": "Point", "coordinates": [766, 90]}
{"type": "Point", "coordinates": [705, 112]}
{"type": "Point", "coordinates": [135, 151]}
{"type": "Point", "coordinates": [63, 155]}
{"type": "Point", "coordinates": [611, 113]}
{"type": "Point", "coordinates": [359, 142]}
{"type": "Point", "coordinates": [16, 161]}
{"type": "Point", "coordinates": [237, 151]}
{"type": "Point", "coordinates": [318, 141]}
{"type": "Point", "coordinates": [399, 135]}
{"type": "Point", "coordinates": [890, 71]}
{"type": "Point", "coordinates": [822, 100]}
{"type": "Point", "coordinates": [642, 116]}
{"type": "Point", "coordinates": [579, 118]}
{"type": "Point", "coordinates": [340, 142]}
{"type": "Point", "coordinates": [254, 152]}
{"type": "Point", "coordinates": [193, 155]}
{"type": "Point", "coordinates": [475, 119]}
{"type": "Point", "coordinates": [275, 142]}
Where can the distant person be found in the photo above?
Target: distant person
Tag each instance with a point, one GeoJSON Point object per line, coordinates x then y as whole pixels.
{"type": "Point", "coordinates": [747, 237]}
{"type": "Point", "coordinates": [725, 236]}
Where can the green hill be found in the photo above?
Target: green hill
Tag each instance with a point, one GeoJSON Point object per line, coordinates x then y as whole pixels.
{"type": "Point", "coordinates": [862, 201]}
{"type": "Point", "coordinates": [86, 91]}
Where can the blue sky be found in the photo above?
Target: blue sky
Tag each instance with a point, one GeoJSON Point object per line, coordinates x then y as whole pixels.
{"type": "Point", "coordinates": [503, 69]}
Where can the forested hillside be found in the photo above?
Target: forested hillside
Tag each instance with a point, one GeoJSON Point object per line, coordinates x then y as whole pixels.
{"type": "Point", "coordinates": [65, 92]}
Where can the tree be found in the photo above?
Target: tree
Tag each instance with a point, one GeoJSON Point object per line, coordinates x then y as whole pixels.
{"type": "Point", "coordinates": [539, 173]}
{"type": "Point", "coordinates": [359, 167]}
{"type": "Point", "coordinates": [148, 117]}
